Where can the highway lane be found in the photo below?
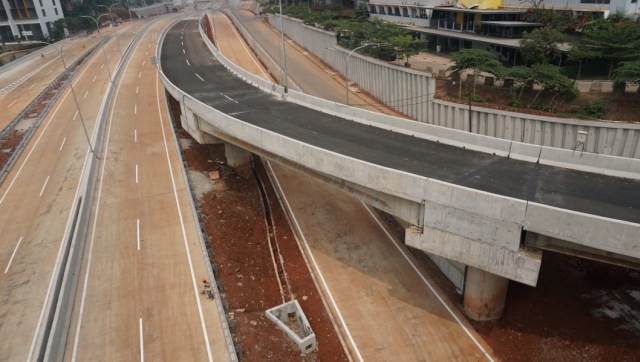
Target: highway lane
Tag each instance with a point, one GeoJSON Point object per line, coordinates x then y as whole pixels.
{"type": "Point", "coordinates": [35, 205]}
{"type": "Point", "coordinates": [210, 82]}
{"type": "Point", "coordinates": [138, 296]}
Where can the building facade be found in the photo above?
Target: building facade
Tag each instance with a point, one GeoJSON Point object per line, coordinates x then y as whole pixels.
{"type": "Point", "coordinates": [28, 19]}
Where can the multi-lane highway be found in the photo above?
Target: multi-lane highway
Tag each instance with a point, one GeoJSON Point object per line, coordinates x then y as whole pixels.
{"type": "Point", "coordinates": [35, 204]}
{"type": "Point", "coordinates": [139, 287]}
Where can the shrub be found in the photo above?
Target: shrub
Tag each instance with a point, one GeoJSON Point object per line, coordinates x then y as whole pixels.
{"type": "Point", "coordinates": [596, 109]}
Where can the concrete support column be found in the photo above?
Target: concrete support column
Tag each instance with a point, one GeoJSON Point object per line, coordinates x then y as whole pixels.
{"type": "Point", "coordinates": [238, 158]}
{"type": "Point", "coordinates": [485, 294]}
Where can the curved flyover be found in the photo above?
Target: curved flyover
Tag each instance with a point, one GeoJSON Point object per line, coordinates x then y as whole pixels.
{"type": "Point", "coordinates": [476, 200]}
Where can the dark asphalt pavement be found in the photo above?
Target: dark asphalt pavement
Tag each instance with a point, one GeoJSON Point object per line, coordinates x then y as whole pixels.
{"type": "Point", "coordinates": [207, 80]}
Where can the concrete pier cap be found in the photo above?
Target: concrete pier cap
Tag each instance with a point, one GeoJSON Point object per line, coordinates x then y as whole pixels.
{"type": "Point", "coordinates": [485, 294]}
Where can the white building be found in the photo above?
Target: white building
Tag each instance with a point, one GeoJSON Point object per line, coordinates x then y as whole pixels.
{"type": "Point", "coordinates": [32, 18]}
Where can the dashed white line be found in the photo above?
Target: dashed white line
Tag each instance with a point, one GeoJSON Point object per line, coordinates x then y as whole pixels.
{"type": "Point", "coordinates": [144, 62]}
{"type": "Point", "coordinates": [33, 85]}
{"type": "Point", "coordinates": [62, 144]}
{"type": "Point", "coordinates": [139, 74]}
{"type": "Point", "coordinates": [102, 66]}
{"type": "Point", "coordinates": [135, 109]}
{"type": "Point", "coordinates": [136, 173]}
{"type": "Point", "coordinates": [199, 77]}
{"type": "Point", "coordinates": [109, 57]}
{"type": "Point", "coordinates": [183, 52]}
{"type": "Point", "coordinates": [75, 115]}
{"type": "Point", "coordinates": [136, 89]}
{"type": "Point", "coordinates": [94, 78]}
{"type": "Point", "coordinates": [189, 64]}
{"type": "Point", "coordinates": [138, 232]}
{"type": "Point", "coordinates": [146, 53]}
{"type": "Point", "coordinates": [182, 43]}
{"type": "Point", "coordinates": [141, 343]}
{"type": "Point", "coordinates": [12, 103]}
{"type": "Point", "coordinates": [135, 135]}
{"type": "Point", "coordinates": [12, 255]}
{"type": "Point", "coordinates": [85, 94]}
{"type": "Point", "coordinates": [43, 186]}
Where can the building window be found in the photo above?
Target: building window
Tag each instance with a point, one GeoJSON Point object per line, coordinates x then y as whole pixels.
{"type": "Point", "coordinates": [54, 2]}
{"type": "Point", "coordinates": [595, 1]}
{"type": "Point", "coordinates": [634, 1]}
{"type": "Point", "coordinates": [56, 10]}
{"type": "Point", "coordinates": [44, 13]}
{"type": "Point", "coordinates": [40, 3]}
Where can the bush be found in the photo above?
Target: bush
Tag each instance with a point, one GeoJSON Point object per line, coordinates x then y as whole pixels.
{"type": "Point", "coordinates": [596, 109]}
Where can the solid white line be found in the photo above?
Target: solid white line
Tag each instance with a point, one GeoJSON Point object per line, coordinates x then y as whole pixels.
{"type": "Point", "coordinates": [199, 77]}
{"type": "Point", "coordinates": [196, 292]}
{"type": "Point", "coordinates": [135, 135]}
{"type": "Point", "coordinates": [135, 109]}
{"type": "Point", "coordinates": [255, 61]}
{"type": "Point", "coordinates": [136, 173]}
{"type": "Point", "coordinates": [75, 115]}
{"type": "Point", "coordinates": [189, 64]}
{"type": "Point", "coordinates": [43, 186]}
{"type": "Point", "coordinates": [138, 232]}
{"type": "Point", "coordinates": [94, 78]}
{"type": "Point", "coordinates": [62, 144]}
{"type": "Point", "coordinates": [315, 263]}
{"type": "Point", "coordinates": [85, 94]}
{"type": "Point", "coordinates": [426, 282]}
{"type": "Point", "coordinates": [12, 255]}
{"type": "Point", "coordinates": [12, 103]}
{"type": "Point", "coordinates": [137, 89]}
{"type": "Point", "coordinates": [141, 343]}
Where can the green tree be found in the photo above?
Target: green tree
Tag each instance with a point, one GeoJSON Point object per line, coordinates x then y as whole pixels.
{"type": "Point", "coordinates": [628, 72]}
{"type": "Point", "coordinates": [476, 60]}
{"type": "Point", "coordinates": [541, 45]}
{"type": "Point", "coordinates": [550, 80]}
{"type": "Point", "coordinates": [615, 40]}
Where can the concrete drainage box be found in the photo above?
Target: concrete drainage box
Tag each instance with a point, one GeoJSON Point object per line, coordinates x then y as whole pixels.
{"type": "Point", "coordinates": [290, 318]}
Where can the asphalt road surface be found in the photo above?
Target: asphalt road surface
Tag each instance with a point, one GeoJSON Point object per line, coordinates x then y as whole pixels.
{"type": "Point", "coordinates": [211, 83]}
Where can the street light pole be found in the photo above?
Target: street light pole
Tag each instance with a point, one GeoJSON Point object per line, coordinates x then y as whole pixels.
{"type": "Point", "coordinates": [346, 68]}
{"type": "Point", "coordinates": [94, 19]}
{"type": "Point", "coordinates": [283, 54]}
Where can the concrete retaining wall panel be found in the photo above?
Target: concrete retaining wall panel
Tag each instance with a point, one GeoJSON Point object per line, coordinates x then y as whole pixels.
{"type": "Point", "coordinates": [597, 232]}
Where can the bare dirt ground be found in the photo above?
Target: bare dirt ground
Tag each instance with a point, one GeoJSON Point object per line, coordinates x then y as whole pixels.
{"type": "Point", "coordinates": [233, 216]}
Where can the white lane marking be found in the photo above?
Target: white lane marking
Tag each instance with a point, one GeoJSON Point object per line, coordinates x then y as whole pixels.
{"type": "Point", "coordinates": [141, 343]}
{"type": "Point", "coordinates": [109, 57]}
{"type": "Point", "coordinates": [33, 85]}
{"type": "Point", "coordinates": [139, 74]}
{"type": "Point", "coordinates": [183, 52]}
{"type": "Point", "coordinates": [183, 44]}
{"type": "Point", "coordinates": [189, 64]}
{"type": "Point", "coordinates": [135, 109]}
{"type": "Point", "coordinates": [75, 115]}
{"type": "Point", "coordinates": [196, 292]}
{"type": "Point", "coordinates": [136, 173]}
{"type": "Point", "coordinates": [62, 144]}
{"type": "Point", "coordinates": [199, 77]}
{"type": "Point", "coordinates": [229, 98]}
{"type": "Point", "coordinates": [135, 135]}
{"type": "Point", "coordinates": [426, 282]}
{"type": "Point", "coordinates": [93, 231]}
{"type": "Point", "coordinates": [315, 263]}
{"type": "Point", "coordinates": [146, 53]}
{"type": "Point", "coordinates": [94, 78]}
{"type": "Point", "coordinates": [12, 103]}
{"type": "Point", "coordinates": [12, 255]}
{"type": "Point", "coordinates": [137, 88]}
{"type": "Point", "coordinates": [144, 62]}
{"type": "Point", "coordinates": [138, 233]}
{"type": "Point", "coordinates": [43, 186]}
{"type": "Point", "coordinates": [255, 61]}
{"type": "Point", "coordinates": [101, 65]}
{"type": "Point", "coordinates": [85, 94]}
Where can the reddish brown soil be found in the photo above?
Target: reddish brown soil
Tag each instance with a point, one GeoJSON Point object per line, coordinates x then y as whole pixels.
{"type": "Point", "coordinates": [234, 219]}
{"type": "Point", "coordinates": [8, 146]}
{"type": "Point", "coordinates": [620, 107]}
